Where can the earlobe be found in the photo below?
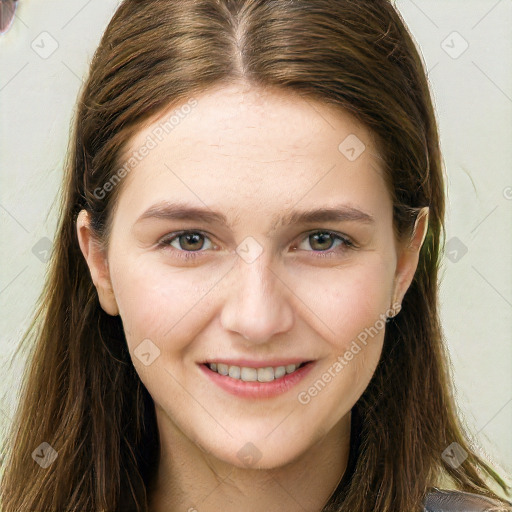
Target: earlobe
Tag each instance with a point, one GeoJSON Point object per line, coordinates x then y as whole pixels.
{"type": "Point", "coordinates": [409, 256]}
{"type": "Point", "coordinates": [97, 263]}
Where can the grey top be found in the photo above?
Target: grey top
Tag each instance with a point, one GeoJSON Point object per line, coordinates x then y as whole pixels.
{"type": "Point", "coordinates": [444, 500]}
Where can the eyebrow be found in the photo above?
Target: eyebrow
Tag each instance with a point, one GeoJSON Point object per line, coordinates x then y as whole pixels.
{"type": "Point", "coordinates": [182, 211]}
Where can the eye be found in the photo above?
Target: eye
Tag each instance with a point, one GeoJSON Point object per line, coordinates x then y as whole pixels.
{"type": "Point", "coordinates": [189, 244]}
{"type": "Point", "coordinates": [186, 242]}
{"type": "Point", "coordinates": [323, 241]}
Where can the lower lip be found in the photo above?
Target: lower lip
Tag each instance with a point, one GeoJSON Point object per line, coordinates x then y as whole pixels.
{"type": "Point", "coordinates": [258, 389]}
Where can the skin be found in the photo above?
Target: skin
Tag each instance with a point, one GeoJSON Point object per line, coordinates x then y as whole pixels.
{"type": "Point", "coordinates": [254, 156]}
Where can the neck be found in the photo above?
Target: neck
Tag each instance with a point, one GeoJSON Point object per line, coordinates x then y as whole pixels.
{"type": "Point", "coordinates": [190, 479]}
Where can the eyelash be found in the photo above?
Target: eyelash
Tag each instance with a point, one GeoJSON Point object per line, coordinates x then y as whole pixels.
{"type": "Point", "coordinates": [347, 244]}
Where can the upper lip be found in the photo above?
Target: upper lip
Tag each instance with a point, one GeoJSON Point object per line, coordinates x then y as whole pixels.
{"type": "Point", "coordinates": [249, 363]}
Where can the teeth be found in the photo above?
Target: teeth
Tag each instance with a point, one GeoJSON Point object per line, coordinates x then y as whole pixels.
{"type": "Point", "coordinates": [247, 374]}
{"type": "Point", "coordinates": [267, 374]}
{"type": "Point", "coordinates": [234, 371]}
{"type": "Point", "coordinates": [222, 369]}
{"type": "Point", "coordinates": [280, 371]}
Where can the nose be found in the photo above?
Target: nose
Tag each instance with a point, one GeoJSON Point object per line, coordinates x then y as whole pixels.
{"type": "Point", "coordinates": [258, 302]}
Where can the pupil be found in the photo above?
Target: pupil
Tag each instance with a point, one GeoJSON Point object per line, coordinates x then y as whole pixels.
{"type": "Point", "coordinates": [320, 236]}
{"type": "Point", "coordinates": [194, 238]}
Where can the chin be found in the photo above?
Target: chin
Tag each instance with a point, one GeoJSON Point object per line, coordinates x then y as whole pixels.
{"type": "Point", "coordinates": [258, 454]}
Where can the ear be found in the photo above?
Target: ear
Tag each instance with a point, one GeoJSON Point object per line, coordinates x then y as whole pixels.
{"type": "Point", "coordinates": [408, 257]}
{"type": "Point", "coordinates": [97, 263]}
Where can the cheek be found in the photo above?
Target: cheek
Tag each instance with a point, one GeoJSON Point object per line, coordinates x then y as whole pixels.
{"type": "Point", "coordinates": [349, 299]}
{"type": "Point", "coordinates": [352, 303]}
{"type": "Point", "coordinates": [159, 302]}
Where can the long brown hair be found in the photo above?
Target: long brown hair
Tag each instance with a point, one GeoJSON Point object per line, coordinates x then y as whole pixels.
{"type": "Point", "coordinates": [81, 393]}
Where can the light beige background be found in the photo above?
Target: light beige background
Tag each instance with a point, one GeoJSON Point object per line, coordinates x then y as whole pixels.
{"type": "Point", "coordinates": [43, 60]}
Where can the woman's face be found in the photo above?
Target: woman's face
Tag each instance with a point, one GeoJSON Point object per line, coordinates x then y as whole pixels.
{"type": "Point", "coordinates": [253, 281]}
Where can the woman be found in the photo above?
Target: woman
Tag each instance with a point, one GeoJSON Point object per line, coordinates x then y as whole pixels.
{"type": "Point", "coordinates": [242, 304]}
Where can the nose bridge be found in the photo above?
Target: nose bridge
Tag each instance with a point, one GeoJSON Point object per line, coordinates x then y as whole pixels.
{"type": "Point", "coordinates": [256, 304]}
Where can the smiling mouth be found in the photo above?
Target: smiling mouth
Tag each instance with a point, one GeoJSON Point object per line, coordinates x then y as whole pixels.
{"type": "Point", "coordinates": [247, 374]}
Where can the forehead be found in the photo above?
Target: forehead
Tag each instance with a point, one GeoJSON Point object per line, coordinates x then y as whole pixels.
{"type": "Point", "coordinates": [246, 143]}
{"type": "Point", "coordinates": [230, 116]}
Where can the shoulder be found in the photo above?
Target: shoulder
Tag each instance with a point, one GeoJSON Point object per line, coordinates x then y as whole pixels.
{"type": "Point", "coordinates": [449, 500]}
